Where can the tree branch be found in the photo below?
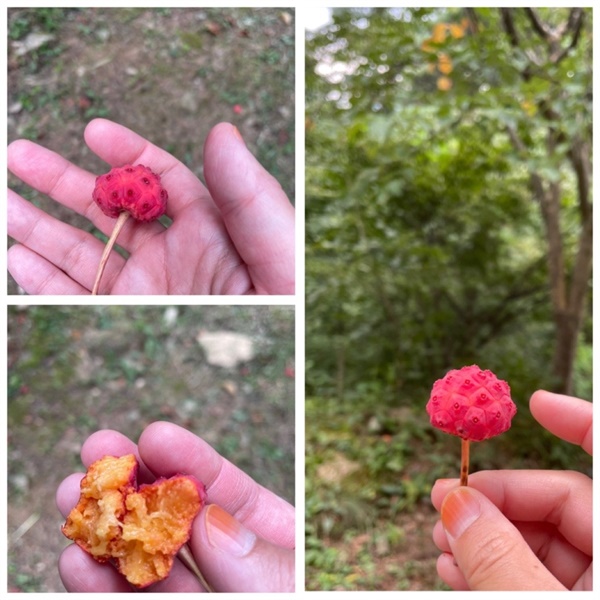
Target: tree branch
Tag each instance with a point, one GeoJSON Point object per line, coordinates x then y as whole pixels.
{"type": "Point", "coordinates": [473, 20]}
{"type": "Point", "coordinates": [509, 26]}
{"type": "Point", "coordinates": [580, 159]}
{"type": "Point", "coordinates": [574, 25]}
{"type": "Point", "coordinates": [538, 26]}
{"type": "Point", "coordinates": [517, 142]}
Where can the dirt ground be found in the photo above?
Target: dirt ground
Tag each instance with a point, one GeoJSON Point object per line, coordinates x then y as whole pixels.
{"type": "Point", "coordinates": [75, 370]}
{"type": "Point", "coordinates": [169, 74]}
{"type": "Point", "coordinates": [410, 565]}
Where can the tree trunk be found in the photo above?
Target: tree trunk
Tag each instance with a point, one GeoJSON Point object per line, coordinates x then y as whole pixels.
{"type": "Point", "coordinates": [340, 377]}
{"type": "Point", "coordinates": [568, 287]}
{"type": "Point", "coordinates": [567, 326]}
{"type": "Point", "coordinates": [568, 290]}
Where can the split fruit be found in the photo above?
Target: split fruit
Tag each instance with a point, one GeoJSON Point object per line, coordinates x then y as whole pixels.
{"type": "Point", "coordinates": [141, 530]}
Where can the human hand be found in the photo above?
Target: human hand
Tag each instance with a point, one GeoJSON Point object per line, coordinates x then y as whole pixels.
{"type": "Point", "coordinates": [521, 530]}
{"type": "Point", "coordinates": [236, 237]}
{"type": "Point", "coordinates": [242, 540]}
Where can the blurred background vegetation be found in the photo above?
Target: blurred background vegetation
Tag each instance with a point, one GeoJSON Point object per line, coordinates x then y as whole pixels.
{"type": "Point", "coordinates": [448, 211]}
{"type": "Point", "coordinates": [170, 74]}
{"type": "Point", "coordinates": [75, 370]}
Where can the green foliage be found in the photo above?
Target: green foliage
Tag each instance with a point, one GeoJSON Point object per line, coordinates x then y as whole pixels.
{"type": "Point", "coordinates": [424, 248]}
{"type": "Point", "coordinates": [46, 20]}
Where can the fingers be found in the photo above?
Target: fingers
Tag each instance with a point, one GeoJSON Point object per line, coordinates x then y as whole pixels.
{"type": "Point", "coordinates": [488, 548]}
{"type": "Point", "coordinates": [234, 559]}
{"type": "Point", "coordinates": [180, 579]}
{"type": "Point", "coordinates": [118, 146]}
{"type": "Point", "coordinates": [98, 445]}
{"type": "Point", "coordinates": [63, 258]}
{"type": "Point", "coordinates": [107, 442]}
{"type": "Point", "coordinates": [36, 275]}
{"type": "Point", "coordinates": [561, 498]}
{"type": "Point", "coordinates": [67, 494]}
{"type": "Point", "coordinates": [101, 443]}
{"type": "Point", "coordinates": [81, 573]}
{"type": "Point", "coordinates": [450, 572]}
{"type": "Point", "coordinates": [566, 417]}
{"type": "Point", "coordinates": [269, 516]}
{"type": "Point", "coordinates": [54, 176]}
{"type": "Point", "coordinates": [563, 560]}
{"type": "Point", "coordinates": [257, 213]}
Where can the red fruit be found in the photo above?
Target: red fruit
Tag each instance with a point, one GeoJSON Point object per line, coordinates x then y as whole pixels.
{"type": "Point", "coordinates": [472, 404]}
{"type": "Point", "coordinates": [133, 189]}
{"type": "Point", "coordinates": [140, 529]}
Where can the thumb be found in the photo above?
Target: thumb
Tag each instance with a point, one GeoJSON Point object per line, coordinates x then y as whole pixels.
{"type": "Point", "coordinates": [257, 213]}
{"type": "Point", "coordinates": [233, 559]}
{"type": "Point", "coordinates": [488, 548]}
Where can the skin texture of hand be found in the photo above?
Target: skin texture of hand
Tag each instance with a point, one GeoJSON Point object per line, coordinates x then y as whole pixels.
{"type": "Point", "coordinates": [235, 236]}
{"type": "Point", "coordinates": [521, 530]}
{"type": "Point", "coordinates": [242, 540]}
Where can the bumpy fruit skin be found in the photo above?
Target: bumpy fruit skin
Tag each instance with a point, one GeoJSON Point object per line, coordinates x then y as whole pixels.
{"type": "Point", "coordinates": [140, 529]}
{"type": "Point", "coordinates": [471, 403]}
{"type": "Point", "coordinates": [134, 189]}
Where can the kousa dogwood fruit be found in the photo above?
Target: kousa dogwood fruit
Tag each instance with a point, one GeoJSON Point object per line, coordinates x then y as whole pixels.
{"type": "Point", "coordinates": [126, 191]}
{"type": "Point", "coordinates": [473, 404]}
{"type": "Point", "coordinates": [139, 529]}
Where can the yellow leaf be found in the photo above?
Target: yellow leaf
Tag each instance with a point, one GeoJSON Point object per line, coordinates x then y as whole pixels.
{"type": "Point", "coordinates": [444, 83]}
{"type": "Point", "coordinates": [439, 33]}
{"type": "Point", "coordinates": [457, 31]}
{"type": "Point", "coordinates": [431, 68]}
{"type": "Point", "coordinates": [529, 107]}
{"type": "Point", "coordinates": [444, 64]}
{"type": "Point", "coordinates": [426, 45]}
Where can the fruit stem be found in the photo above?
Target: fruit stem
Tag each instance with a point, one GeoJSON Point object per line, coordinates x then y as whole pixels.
{"type": "Point", "coordinates": [186, 556]}
{"type": "Point", "coordinates": [464, 462]}
{"type": "Point", "coordinates": [107, 249]}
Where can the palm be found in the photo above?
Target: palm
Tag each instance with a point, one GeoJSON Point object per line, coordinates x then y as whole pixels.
{"type": "Point", "coordinates": [236, 237]}
{"type": "Point", "coordinates": [207, 263]}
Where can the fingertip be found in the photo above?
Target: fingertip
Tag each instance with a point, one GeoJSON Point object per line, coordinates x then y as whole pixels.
{"type": "Point", "coordinates": [440, 489]}
{"type": "Point", "coordinates": [537, 398]}
{"type": "Point", "coordinates": [450, 573]}
{"type": "Point", "coordinates": [106, 442]}
{"type": "Point", "coordinates": [16, 146]}
{"type": "Point", "coordinates": [68, 492]}
{"type": "Point", "coordinates": [158, 435]}
{"type": "Point", "coordinates": [16, 152]}
{"type": "Point", "coordinates": [96, 125]}
{"type": "Point", "coordinates": [220, 131]}
{"type": "Point", "coordinates": [79, 572]}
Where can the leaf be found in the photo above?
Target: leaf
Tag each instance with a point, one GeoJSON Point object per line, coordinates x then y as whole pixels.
{"type": "Point", "coordinates": [444, 64]}
{"type": "Point", "coordinates": [444, 84]}
{"type": "Point", "coordinates": [439, 33]}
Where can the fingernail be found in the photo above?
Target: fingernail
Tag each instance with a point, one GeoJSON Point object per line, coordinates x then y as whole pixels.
{"type": "Point", "coordinates": [448, 481]}
{"type": "Point", "coordinates": [226, 533]}
{"type": "Point", "coordinates": [445, 483]}
{"type": "Point", "coordinates": [237, 133]}
{"type": "Point", "coordinates": [459, 510]}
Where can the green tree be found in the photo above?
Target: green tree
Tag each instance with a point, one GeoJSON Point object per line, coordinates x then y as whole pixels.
{"type": "Point", "coordinates": [429, 132]}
